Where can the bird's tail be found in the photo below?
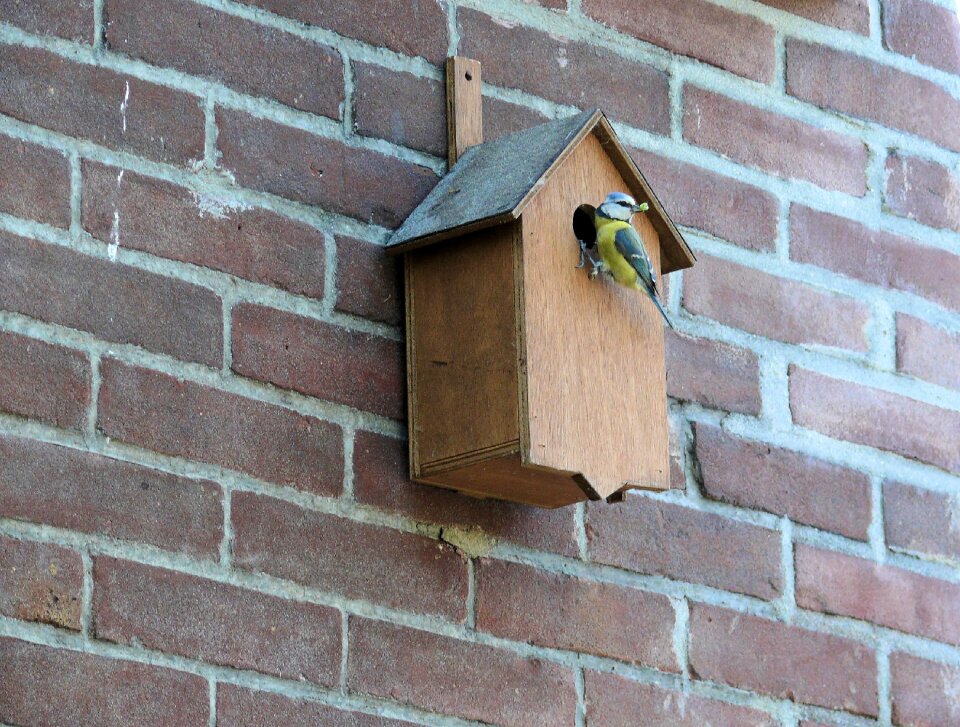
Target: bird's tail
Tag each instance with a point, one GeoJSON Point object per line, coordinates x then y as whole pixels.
{"type": "Point", "coordinates": [656, 302]}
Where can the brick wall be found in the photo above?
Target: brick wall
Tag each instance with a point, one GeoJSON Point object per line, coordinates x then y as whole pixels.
{"type": "Point", "coordinates": [204, 518]}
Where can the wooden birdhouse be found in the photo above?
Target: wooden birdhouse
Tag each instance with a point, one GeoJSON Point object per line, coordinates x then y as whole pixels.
{"type": "Point", "coordinates": [528, 380]}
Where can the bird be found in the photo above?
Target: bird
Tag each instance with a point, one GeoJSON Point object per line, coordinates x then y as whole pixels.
{"type": "Point", "coordinates": [622, 253]}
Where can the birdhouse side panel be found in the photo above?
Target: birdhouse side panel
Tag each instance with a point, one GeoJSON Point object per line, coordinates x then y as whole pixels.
{"type": "Point", "coordinates": [594, 399]}
{"type": "Point", "coordinates": [462, 350]}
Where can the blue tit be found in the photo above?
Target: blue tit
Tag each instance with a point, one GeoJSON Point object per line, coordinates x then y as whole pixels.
{"type": "Point", "coordinates": [621, 249]}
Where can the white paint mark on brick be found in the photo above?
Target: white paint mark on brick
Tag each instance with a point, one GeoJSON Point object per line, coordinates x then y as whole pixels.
{"type": "Point", "coordinates": [114, 244]}
{"type": "Point", "coordinates": [124, 105]}
{"type": "Point", "coordinates": [217, 205]}
{"type": "Point", "coordinates": [562, 57]}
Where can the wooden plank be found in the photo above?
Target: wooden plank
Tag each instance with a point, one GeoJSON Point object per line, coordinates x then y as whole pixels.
{"type": "Point", "coordinates": [464, 106]}
{"type": "Point", "coordinates": [594, 395]}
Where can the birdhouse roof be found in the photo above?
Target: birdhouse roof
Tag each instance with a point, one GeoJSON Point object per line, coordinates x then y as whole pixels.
{"type": "Point", "coordinates": [493, 182]}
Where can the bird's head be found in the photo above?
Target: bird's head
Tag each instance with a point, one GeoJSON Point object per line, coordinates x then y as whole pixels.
{"type": "Point", "coordinates": [620, 206]}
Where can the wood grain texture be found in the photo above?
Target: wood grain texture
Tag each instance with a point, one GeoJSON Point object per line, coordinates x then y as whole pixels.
{"type": "Point", "coordinates": [464, 106]}
{"type": "Point", "coordinates": [595, 381]}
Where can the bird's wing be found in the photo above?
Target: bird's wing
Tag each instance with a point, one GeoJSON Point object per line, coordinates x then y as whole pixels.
{"type": "Point", "coordinates": [629, 244]}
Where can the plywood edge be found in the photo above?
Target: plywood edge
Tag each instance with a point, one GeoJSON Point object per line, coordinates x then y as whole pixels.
{"type": "Point", "coordinates": [523, 404]}
{"type": "Point", "coordinates": [461, 460]}
{"type": "Point", "coordinates": [412, 402]}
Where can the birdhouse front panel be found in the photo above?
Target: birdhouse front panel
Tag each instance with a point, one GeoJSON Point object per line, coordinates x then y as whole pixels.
{"type": "Point", "coordinates": [595, 380]}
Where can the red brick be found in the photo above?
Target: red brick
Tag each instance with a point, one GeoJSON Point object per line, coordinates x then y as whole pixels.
{"type": "Point", "coordinates": [566, 71]}
{"type": "Point", "coordinates": [74, 490]}
{"type": "Point", "coordinates": [613, 701]}
{"type": "Point", "coordinates": [35, 182]}
{"type": "Point", "coordinates": [502, 117]}
{"type": "Point", "coordinates": [42, 685]}
{"type": "Point", "coordinates": [521, 603]}
{"type": "Point", "coordinates": [876, 418]}
{"type": "Point", "coordinates": [42, 381]}
{"type": "Point", "coordinates": [898, 599]}
{"type": "Point", "coordinates": [925, 351]}
{"type": "Point", "coordinates": [415, 29]}
{"type": "Point", "coordinates": [41, 88]}
{"type": "Point", "coordinates": [467, 680]}
{"type": "Point", "coordinates": [923, 693]}
{"type": "Point", "coordinates": [773, 307]}
{"type": "Point", "coordinates": [851, 15]}
{"type": "Point", "coordinates": [252, 58]}
{"type": "Point", "coordinates": [40, 582]}
{"type": "Point", "coordinates": [184, 419]}
{"type": "Point", "coordinates": [805, 489]}
{"type": "Point", "coordinates": [70, 19]}
{"type": "Point", "coordinates": [319, 359]}
{"type": "Point", "coordinates": [921, 521]}
{"type": "Point", "coordinates": [239, 707]}
{"type": "Point", "coordinates": [874, 256]}
{"type": "Point", "coordinates": [860, 87]}
{"type": "Point", "coordinates": [114, 302]}
{"type": "Point", "coordinates": [380, 469]}
{"type": "Point", "coordinates": [659, 538]}
{"type": "Point", "coordinates": [306, 168]}
{"type": "Point", "coordinates": [360, 561]}
{"type": "Point", "coordinates": [368, 281]}
{"type": "Point", "coordinates": [400, 107]}
{"type": "Point", "coordinates": [172, 222]}
{"type": "Point", "coordinates": [214, 622]}
{"type": "Point", "coordinates": [923, 191]}
{"type": "Point", "coordinates": [723, 38]}
{"type": "Point", "coordinates": [764, 656]}
{"type": "Point", "coordinates": [719, 205]}
{"type": "Point", "coordinates": [716, 375]}
{"type": "Point", "coordinates": [928, 32]}
{"type": "Point", "coordinates": [776, 144]}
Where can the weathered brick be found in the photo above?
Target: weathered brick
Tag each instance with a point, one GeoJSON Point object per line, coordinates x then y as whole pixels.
{"type": "Point", "coordinates": [380, 469]}
{"type": "Point", "coordinates": [42, 685]}
{"type": "Point", "coordinates": [319, 359]}
{"type": "Point", "coordinates": [214, 622]}
{"type": "Point", "coordinates": [764, 656]}
{"type": "Point", "coordinates": [899, 599]}
{"type": "Point", "coordinates": [923, 191]}
{"type": "Point", "coordinates": [855, 413]}
{"type": "Point", "coordinates": [923, 693]}
{"type": "Point", "coordinates": [202, 228]}
{"type": "Point", "coordinates": [710, 33]}
{"type": "Point", "coordinates": [181, 418]}
{"type": "Point", "coordinates": [75, 490]}
{"type": "Point", "coordinates": [874, 256]}
{"type": "Point", "coordinates": [70, 19]}
{"type": "Point", "coordinates": [926, 351]}
{"type": "Point", "coordinates": [659, 538]}
{"type": "Point", "coordinates": [35, 182]}
{"type": "Point", "coordinates": [417, 29]}
{"type": "Point", "coordinates": [40, 582]}
{"type": "Point", "coordinates": [42, 381]}
{"type": "Point", "coordinates": [457, 677]}
{"type": "Point", "coordinates": [719, 205]}
{"type": "Point", "coordinates": [400, 570]}
{"type": "Point", "coordinates": [252, 58]}
{"type": "Point", "coordinates": [921, 521]}
{"type": "Point", "coordinates": [368, 281]}
{"type": "Point", "coordinates": [928, 32]}
{"type": "Point", "coordinates": [566, 71]}
{"type": "Point", "coordinates": [522, 603]}
{"type": "Point", "coordinates": [774, 307]}
{"type": "Point", "coordinates": [239, 707]}
{"type": "Point", "coordinates": [851, 15]}
{"type": "Point", "coordinates": [857, 86]}
{"type": "Point", "coordinates": [774, 143]}
{"type": "Point", "coordinates": [400, 107]}
{"type": "Point", "coordinates": [713, 374]}
{"type": "Point", "coordinates": [108, 108]}
{"type": "Point", "coordinates": [503, 117]}
{"type": "Point", "coordinates": [805, 489]}
{"type": "Point", "coordinates": [614, 701]}
{"type": "Point", "coordinates": [318, 171]}
{"type": "Point", "coordinates": [115, 302]}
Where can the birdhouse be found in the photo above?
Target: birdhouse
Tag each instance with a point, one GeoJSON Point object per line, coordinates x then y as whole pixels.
{"type": "Point", "coordinates": [528, 380]}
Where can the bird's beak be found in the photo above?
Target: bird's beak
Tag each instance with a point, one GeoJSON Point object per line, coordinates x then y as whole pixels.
{"type": "Point", "coordinates": [641, 207]}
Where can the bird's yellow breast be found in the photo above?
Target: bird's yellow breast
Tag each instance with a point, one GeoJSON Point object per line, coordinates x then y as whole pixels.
{"type": "Point", "coordinates": [620, 267]}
